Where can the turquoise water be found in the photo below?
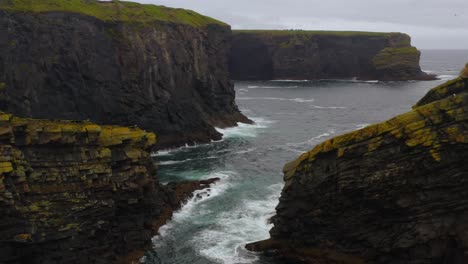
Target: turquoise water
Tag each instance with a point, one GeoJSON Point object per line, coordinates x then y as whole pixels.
{"type": "Point", "coordinates": [291, 117]}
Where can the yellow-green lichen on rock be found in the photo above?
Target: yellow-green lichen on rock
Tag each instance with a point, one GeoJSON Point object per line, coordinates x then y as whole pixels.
{"type": "Point", "coordinates": [464, 72]}
{"type": "Point", "coordinates": [55, 175]}
{"type": "Point", "coordinates": [388, 193]}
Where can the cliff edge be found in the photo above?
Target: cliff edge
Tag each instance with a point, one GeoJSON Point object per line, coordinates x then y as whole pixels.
{"type": "Point", "coordinates": [311, 55]}
{"type": "Point", "coordinates": [76, 192]}
{"type": "Point", "coordinates": [393, 192]}
{"type": "Point", "coordinates": [121, 63]}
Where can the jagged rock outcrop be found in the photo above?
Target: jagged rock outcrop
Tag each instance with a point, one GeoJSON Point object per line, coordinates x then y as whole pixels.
{"type": "Point", "coordinates": [76, 192]}
{"type": "Point", "coordinates": [393, 192]}
{"type": "Point", "coordinates": [311, 55]}
{"type": "Point", "coordinates": [120, 63]}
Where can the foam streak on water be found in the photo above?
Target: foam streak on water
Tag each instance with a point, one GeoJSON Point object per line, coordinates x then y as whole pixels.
{"type": "Point", "coordinates": [245, 130]}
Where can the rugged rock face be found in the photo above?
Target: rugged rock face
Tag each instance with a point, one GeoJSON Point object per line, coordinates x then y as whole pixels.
{"type": "Point", "coordinates": [76, 192]}
{"type": "Point", "coordinates": [297, 54]}
{"type": "Point", "coordinates": [393, 192]}
{"type": "Point", "coordinates": [164, 70]}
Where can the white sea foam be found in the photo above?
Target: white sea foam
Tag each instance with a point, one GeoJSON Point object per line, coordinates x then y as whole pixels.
{"type": "Point", "coordinates": [328, 107]}
{"type": "Point", "coordinates": [225, 242]}
{"type": "Point", "coordinates": [245, 151]}
{"type": "Point", "coordinates": [361, 126]}
{"type": "Point", "coordinates": [289, 80]}
{"type": "Point", "coordinates": [301, 100]}
{"type": "Point", "coordinates": [172, 162]}
{"type": "Point", "coordinates": [160, 153]}
{"type": "Point", "coordinates": [311, 141]}
{"type": "Point", "coordinates": [167, 152]}
{"type": "Point", "coordinates": [298, 100]}
{"type": "Point", "coordinates": [447, 77]}
{"type": "Point", "coordinates": [245, 130]}
{"type": "Point", "coordinates": [262, 98]}
{"type": "Point", "coordinates": [199, 197]}
{"type": "Point", "coordinates": [272, 87]}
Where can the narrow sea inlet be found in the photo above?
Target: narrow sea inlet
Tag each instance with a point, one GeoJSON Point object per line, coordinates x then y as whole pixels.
{"type": "Point", "coordinates": [291, 117]}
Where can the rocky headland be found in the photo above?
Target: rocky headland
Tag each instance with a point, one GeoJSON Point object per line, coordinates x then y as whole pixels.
{"type": "Point", "coordinates": [311, 55]}
{"type": "Point", "coordinates": [120, 63]}
{"type": "Point", "coordinates": [77, 192]}
{"type": "Point", "coordinates": [393, 192]}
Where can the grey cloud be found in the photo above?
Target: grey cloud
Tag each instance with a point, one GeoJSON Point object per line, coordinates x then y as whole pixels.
{"type": "Point", "coordinates": [431, 23]}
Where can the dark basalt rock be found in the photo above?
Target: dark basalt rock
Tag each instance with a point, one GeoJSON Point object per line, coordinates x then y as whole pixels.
{"type": "Point", "coordinates": [167, 77]}
{"type": "Point", "coordinates": [311, 55]}
{"type": "Point", "coordinates": [393, 192]}
{"type": "Point", "coordinates": [76, 192]}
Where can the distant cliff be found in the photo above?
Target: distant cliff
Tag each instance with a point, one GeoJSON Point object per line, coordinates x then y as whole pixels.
{"type": "Point", "coordinates": [298, 54]}
{"type": "Point", "coordinates": [76, 192]}
{"type": "Point", "coordinates": [162, 69]}
{"type": "Point", "coordinates": [393, 192]}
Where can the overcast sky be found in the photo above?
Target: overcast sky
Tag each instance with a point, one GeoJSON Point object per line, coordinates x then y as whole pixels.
{"type": "Point", "coordinates": [433, 24]}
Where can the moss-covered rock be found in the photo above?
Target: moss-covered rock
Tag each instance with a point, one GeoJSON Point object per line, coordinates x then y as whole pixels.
{"type": "Point", "coordinates": [464, 72]}
{"type": "Point", "coordinates": [393, 192]}
{"type": "Point", "coordinates": [77, 192]}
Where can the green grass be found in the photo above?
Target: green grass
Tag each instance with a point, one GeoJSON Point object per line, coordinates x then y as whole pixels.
{"type": "Point", "coordinates": [313, 33]}
{"type": "Point", "coordinates": [392, 56]}
{"type": "Point", "coordinates": [111, 11]}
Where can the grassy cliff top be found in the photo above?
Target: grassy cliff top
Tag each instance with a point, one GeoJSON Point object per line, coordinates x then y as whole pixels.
{"type": "Point", "coordinates": [315, 32]}
{"type": "Point", "coordinates": [112, 11]}
{"type": "Point", "coordinates": [45, 131]}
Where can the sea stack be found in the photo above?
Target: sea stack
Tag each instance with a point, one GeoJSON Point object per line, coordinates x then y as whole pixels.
{"type": "Point", "coordinates": [393, 192]}
{"type": "Point", "coordinates": [311, 55]}
{"type": "Point", "coordinates": [162, 69]}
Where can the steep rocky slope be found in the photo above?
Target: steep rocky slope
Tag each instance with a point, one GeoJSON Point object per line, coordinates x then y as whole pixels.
{"type": "Point", "coordinates": [297, 54]}
{"type": "Point", "coordinates": [393, 192]}
{"type": "Point", "coordinates": [162, 69]}
{"type": "Point", "coordinates": [76, 192]}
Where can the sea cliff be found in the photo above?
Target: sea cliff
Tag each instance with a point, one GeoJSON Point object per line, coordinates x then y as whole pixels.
{"type": "Point", "coordinates": [393, 192]}
{"type": "Point", "coordinates": [310, 55]}
{"type": "Point", "coordinates": [77, 192]}
{"type": "Point", "coordinates": [121, 63]}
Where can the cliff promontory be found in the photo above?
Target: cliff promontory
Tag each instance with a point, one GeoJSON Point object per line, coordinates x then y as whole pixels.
{"type": "Point", "coordinates": [76, 192]}
{"type": "Point", "coordinates": [121, 63]}
{"type": "Point", "coordinates": [393, 192]}
{"type": "Point", "coordinates": [311, 55]}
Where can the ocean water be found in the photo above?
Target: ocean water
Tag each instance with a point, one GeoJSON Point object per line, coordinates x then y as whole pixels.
{"type": "Point", "coordinates": [291, 117]}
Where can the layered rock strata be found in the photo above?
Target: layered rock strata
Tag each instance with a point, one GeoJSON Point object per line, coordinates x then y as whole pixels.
{"type": "Point", "coordinates": [77, 192]}
{"type": "Point", "coordinates": [311, 55]}
{"type": "Point", "coordinates": [393, 192]}
{"type": "Point", "coordinates": [121, 63]}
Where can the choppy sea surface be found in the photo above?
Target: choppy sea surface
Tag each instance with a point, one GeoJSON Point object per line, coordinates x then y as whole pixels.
{"type": "Point", "coordinates": [291, 117]}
